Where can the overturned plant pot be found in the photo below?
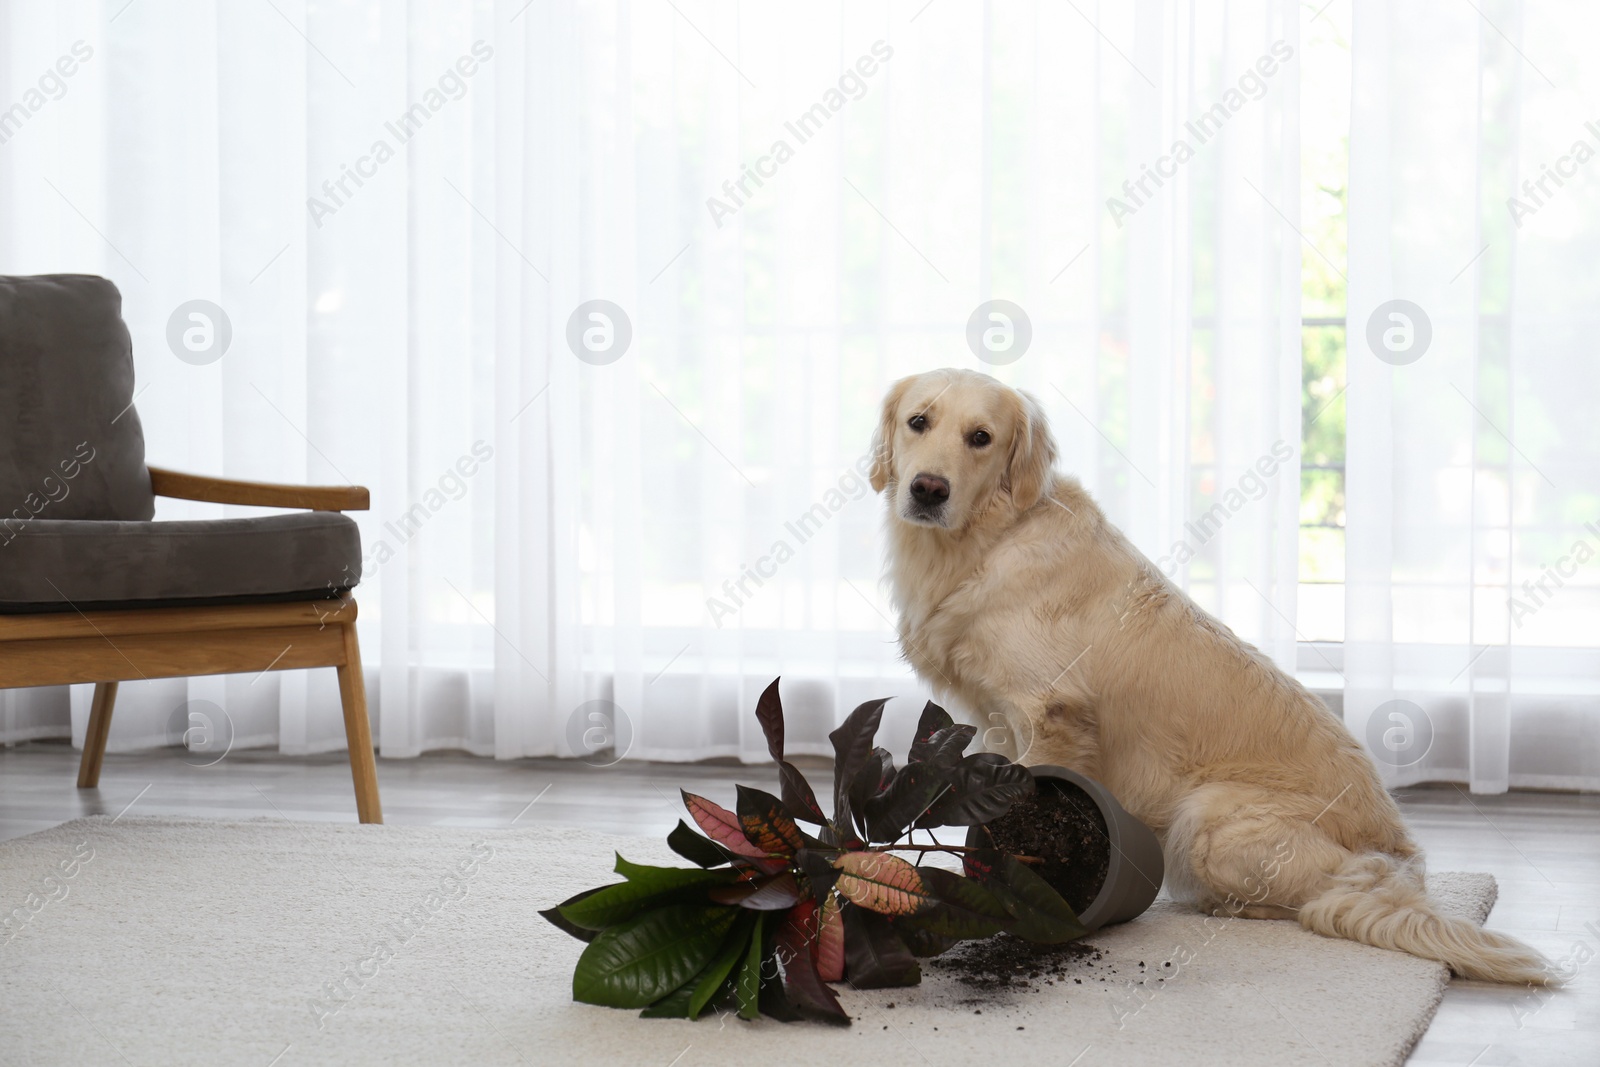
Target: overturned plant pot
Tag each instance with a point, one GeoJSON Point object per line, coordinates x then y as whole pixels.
{"type": "Point", "coordinates": [1104, 862]}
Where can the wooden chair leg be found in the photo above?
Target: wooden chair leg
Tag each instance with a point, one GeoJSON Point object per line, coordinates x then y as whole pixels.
{"type": "Point", "coordinates": [357, 731]}
{"type": "Point", "coordinates": [94, 744]}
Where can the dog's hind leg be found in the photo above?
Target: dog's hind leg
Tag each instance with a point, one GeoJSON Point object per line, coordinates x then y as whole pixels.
{"type": "Point", "coordinates": [1232, 850]}
{"type": "Point", "coordinates": [1258, 853]}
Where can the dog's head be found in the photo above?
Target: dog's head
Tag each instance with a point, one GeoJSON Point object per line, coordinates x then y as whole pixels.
{"type": "Point", "coordinates": [950, 440]}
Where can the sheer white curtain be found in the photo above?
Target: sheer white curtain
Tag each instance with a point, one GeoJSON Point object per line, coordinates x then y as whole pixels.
{"type": "Point", "coordinates": [784, 211]}
{"type": "Point", "coordinates": [1473, 604]}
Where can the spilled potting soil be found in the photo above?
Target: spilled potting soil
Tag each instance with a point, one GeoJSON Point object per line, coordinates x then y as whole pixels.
{"type": "Point", "coordinates": [1000, 971]}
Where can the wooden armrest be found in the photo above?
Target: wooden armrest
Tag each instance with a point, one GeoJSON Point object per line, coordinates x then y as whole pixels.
{"type": "Point", "coordinates": [180, 486]}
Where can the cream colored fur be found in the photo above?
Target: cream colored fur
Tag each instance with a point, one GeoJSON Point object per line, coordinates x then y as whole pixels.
{"type": "Point", "coordinates": [1024, 607]}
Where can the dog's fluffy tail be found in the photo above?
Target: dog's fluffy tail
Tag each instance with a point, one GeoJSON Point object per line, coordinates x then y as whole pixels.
{"type": "Point", "coordinates": [1380, 900]}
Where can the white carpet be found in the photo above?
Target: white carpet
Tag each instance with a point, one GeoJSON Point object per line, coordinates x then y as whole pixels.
{"type": "Point", "coordinates": [189, 941]}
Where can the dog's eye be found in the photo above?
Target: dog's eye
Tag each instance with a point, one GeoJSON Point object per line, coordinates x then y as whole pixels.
{"type": "Point", "coordinates": [979, 438]}
{"type": "Point", "coordinates": [918, 423]}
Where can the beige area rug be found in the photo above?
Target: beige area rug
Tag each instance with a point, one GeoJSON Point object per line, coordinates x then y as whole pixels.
{"type": "Point", "coordinates": [168, 941]}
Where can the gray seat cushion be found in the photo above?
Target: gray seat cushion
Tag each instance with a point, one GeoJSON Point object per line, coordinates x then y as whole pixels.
{"type": "Point", "coordinates": [49, 565]}
{"type": "Point", "coordinates": [70, 442]}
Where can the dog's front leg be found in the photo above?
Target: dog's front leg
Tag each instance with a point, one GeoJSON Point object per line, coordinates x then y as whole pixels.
{"type": "Point", "coordinates": [1002, 729]}
{"type": "Point", "coordinates": [1066, 733]}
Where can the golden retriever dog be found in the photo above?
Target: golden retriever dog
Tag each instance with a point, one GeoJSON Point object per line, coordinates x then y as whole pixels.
{"type": "Point", "coordinates": [1021, 604]}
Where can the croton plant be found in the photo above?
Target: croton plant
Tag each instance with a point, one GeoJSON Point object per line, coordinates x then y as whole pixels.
{"type": "Point", "coordinates": [773, 912]}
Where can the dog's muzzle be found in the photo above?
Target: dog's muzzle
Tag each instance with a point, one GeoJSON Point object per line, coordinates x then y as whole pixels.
{"type": "Point", "coordinates": [929, 495]}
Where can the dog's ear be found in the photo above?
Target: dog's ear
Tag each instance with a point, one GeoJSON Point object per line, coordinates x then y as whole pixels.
{"type": "Point", "coordinates": [882, 469]}
{"type": "Point", "coordinates": [1033, 453]}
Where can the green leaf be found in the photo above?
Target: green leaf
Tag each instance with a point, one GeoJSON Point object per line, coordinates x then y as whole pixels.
{"type": "Point", "coordinates": [766, 825]}
{"type": "Point", "coordinates": [675, 1005]}
{"type": "Point", "coordinates": [715, 974]}
{"type": "Point", "coordinates": [962, 907]}
{"type": "Point", "coordinates": [880, 882]}
{"type": "Point", "coordinates": [983, 786]}
{"type": "Point", "coordinates": [696, 849]}
{"type": "Point", "coordinates": [748, 984]}
{"type": "Point", "coordinates": [554, 917]}
{"type": "Point", "coordinates": [875, 955]}
{"type": "Point", "coordinates": [1040, 913]}
{"type": "Point", "coordinates": [646, 874]}
{"type": "Point", "coordinates": [646, 888]}
{"type": "Point", "coordinates": [644, 959]}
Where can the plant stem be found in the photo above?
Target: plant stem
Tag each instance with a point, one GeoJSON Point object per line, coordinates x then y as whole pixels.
{"type": "Point", "coordinates": [954, 850]}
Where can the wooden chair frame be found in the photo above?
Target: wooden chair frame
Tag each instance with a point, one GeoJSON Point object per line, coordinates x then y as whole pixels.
{"type": "Point", "coordinates": [108, 647]}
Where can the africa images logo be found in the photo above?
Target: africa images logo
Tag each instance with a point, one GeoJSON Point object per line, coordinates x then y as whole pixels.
{"type": "Point", "coordinates": [1251, 85]}
{"type": "Point", "coordinates": [451, 85]}
{"type": "Point", "coordinates": [852, 85]}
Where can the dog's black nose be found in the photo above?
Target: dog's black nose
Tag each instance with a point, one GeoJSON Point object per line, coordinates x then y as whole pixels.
{"type": "Point", "coordinates": [930, 489]}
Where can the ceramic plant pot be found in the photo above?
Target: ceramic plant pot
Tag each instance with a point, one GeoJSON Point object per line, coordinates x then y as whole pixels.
{"type": "Point", "coordinates": [1133, 876]}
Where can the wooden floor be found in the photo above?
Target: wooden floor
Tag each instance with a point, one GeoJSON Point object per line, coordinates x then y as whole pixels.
{"type": "Point", "coordinates": [1543, 848]}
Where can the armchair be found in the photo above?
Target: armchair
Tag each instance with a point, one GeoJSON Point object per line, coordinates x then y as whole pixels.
{"type": "Point", "coordinates": [93, 590]}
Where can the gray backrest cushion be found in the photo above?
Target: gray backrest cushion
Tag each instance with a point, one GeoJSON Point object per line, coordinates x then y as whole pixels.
{"type": "Point", "coordinates": [70, 442]}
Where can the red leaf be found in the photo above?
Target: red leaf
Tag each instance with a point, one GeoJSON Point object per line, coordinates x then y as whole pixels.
{"type": "Point", "coordinates": [721, 825]}
{"type": "Point", "coordinates": [882, 883]}
{"type": "Point", "coordinates": [763, 864]}
{"type": "Point", "coordinates": [979, 865]}
{"type": "Point", "coordinates": [876, 956]}
{"type": "Point", "coordinates": [768, 894]}
{"type": "Point", "coordinates": [830, 943]}
{"type": "Point", "coordinates": [769, 713]}
{"type": "Point", "coordinates": [766, 824]}
{"type": "Point", "coordinates": [797, 794]}
{"type": "Point", "coordinates": [852, 744]}
{"type": "Point", "coordinates": [795, 949]}
{"type": "Point", "coordinates": [934, 718]}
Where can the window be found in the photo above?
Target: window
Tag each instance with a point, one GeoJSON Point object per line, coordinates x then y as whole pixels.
{"type": "Point", "coordinates": [1325, 171]}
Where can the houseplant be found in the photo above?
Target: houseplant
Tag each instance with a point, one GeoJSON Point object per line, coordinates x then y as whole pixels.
{"type": "Point", "coordinates": [772, 913]}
